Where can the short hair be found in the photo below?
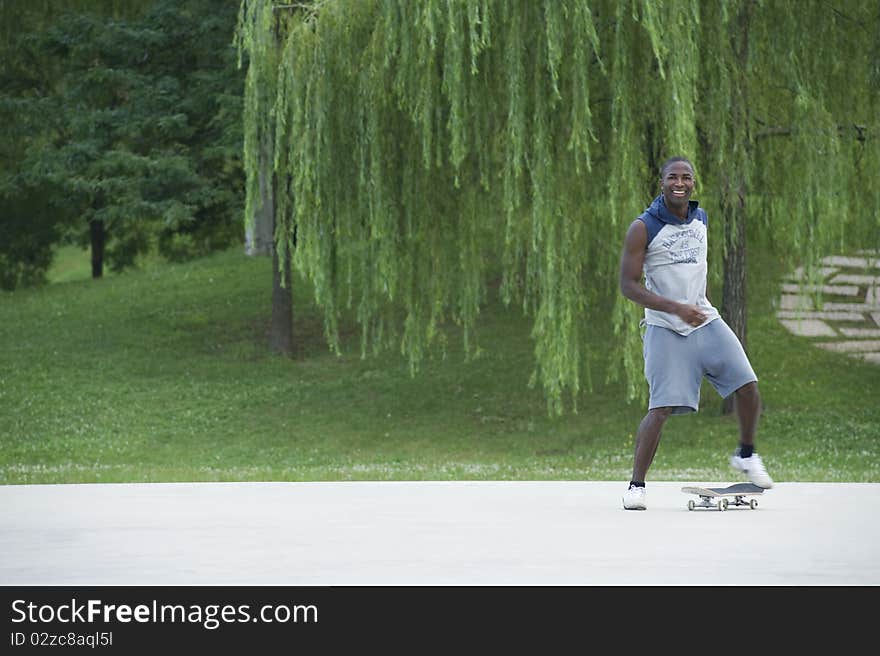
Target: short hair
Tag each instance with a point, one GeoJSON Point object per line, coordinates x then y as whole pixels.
{"type": "Point", "coordinates": [673, 160]}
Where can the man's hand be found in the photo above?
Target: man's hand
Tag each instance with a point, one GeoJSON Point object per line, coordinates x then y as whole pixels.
{"type": "Point", "coordinates": [690, 314]}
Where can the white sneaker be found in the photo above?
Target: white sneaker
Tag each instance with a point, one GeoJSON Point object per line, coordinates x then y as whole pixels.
{"type": "Point", "coordinates": [753, 468]}
{"type": "Point", "coordinates": [634, 498]}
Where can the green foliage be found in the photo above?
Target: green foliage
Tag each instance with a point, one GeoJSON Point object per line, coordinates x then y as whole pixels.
{"type": "Point", "coordinates": [131, 121]}
{"type": "Point", "coordinates": [413, 142]}
{"type": "Point", "coordinates": [28, 235]}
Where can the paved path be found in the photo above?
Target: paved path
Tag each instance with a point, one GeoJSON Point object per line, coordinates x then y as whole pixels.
{"type": "Point", "coordinates": [848, 317]}
{"type": "Point", "coordinates": [432, 533]}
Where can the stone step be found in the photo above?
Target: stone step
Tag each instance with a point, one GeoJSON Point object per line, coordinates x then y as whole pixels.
{"type": "Point", "coordinates": [790, 302]}
{"type": "Point", "coordinates": [828, 316]}
{"type": "Point", "coordinates": [824, 272]}
{"type": "Point", "coordinates": [856, 279]}
{"type": "Point", "coordinates": [853, 262]}
{"type": "Point", "coordinates": [860, 346]}
{"type": "Point", "coordinates": [840, 290]}
{"type": "Point", "coordinates": [808, 328]}
{"type": "Point", "coordinates": [850, 307]}
{"type": "Point", "coordinates": [860, 332]}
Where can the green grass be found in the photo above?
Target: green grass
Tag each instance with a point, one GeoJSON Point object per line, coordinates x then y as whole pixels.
{"type": "Point", "coordinates": [162, 374]}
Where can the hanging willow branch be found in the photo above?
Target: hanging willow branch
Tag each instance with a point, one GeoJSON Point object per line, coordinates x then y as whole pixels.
{"type": "Point", "coordinates": [423, 144]}
{"type": "Point", "coordinates": [779, 131]}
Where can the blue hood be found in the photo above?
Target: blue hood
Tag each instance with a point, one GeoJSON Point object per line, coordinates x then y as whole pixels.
{"type": "Point", "coordinates": [659, 211]}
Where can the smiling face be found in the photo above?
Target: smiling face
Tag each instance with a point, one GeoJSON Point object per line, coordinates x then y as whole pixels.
{"type": "Point", "coordinates": [677, 185]}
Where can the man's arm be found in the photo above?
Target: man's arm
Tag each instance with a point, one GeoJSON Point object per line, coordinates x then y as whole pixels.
{"type": "Point", "coordinates": [631, 262]}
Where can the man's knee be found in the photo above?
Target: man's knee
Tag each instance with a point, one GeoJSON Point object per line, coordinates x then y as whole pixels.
{"type": "Point", "coordinates": [748, 391]}
{"type": "Point", "coordinates": [660, 413]}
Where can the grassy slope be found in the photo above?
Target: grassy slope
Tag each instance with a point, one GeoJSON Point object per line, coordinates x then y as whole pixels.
{"type": "Point", "coordinates": [161, 375]}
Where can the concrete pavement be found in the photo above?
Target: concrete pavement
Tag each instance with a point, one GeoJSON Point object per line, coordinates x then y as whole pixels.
{"type": "Point", "coordinates": [433, 533]}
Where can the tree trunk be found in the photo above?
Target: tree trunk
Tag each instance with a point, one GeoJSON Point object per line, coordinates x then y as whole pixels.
{"type": "Point", "coordinates": [733, 297]}
{"type": "Point", "coordinates": [259, 235]}
{"type": "Point", "coordinates": [260, 240]}
{"type": "Point", "coordinates": [281, 327]}
{"type": "Point", "coordinates": [98, 237]}
{"type": "Point", "coordinates": [733, 198]}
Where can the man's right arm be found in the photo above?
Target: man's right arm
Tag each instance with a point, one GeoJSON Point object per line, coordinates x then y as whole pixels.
{"type": "Point", "coordinates": [631, 263]}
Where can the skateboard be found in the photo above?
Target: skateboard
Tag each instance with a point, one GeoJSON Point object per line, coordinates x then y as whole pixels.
{"type": "Point", "coordinates": [738, 492]}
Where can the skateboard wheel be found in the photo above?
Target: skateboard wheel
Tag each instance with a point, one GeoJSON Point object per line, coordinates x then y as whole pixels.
{"type": "Point", "coordinates": [691, 504]}
{"type": "Point", "coordinates": [722, 505]}
{"type": "Point", "coordinates": [753, 504]}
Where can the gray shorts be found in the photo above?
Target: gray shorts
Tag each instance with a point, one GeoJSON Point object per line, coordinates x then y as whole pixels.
{"type": "Point", "coordinates": [675, 365]}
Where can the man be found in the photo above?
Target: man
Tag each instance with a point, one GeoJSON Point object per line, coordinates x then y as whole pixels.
{"type": "Point", "coordinates": [686, 339]}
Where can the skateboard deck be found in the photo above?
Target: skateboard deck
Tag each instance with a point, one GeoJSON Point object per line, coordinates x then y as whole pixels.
{"type": "Point", "coordinates": [738, 491]}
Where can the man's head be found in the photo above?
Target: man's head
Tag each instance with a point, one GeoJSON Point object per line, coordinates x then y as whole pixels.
{"type": "Point", "coordinates": [677, 182]}
{"type": "Point", "coordinates": [674, 160]}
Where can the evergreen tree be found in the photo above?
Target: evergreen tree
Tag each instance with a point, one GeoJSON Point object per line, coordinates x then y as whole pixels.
{"type": "Point", "coordinates": [32, 207]}
{"type": "Point", "coordinates": [136, 130]}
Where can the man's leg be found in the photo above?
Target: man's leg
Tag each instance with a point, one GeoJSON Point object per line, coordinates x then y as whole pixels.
{"type": "Point", "coordinates": [748, 409]}
{"type": "Point", "coordinates": [647, 439]}
{"type": "Point", "coordinates": [728, 369]}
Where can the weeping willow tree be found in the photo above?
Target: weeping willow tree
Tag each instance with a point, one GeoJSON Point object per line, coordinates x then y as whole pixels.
{"type": "Point", "coordinates": [417, 146]}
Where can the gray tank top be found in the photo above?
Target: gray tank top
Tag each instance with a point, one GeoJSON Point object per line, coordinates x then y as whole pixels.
{"type": "Point", "coordinates": [676, 264]}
